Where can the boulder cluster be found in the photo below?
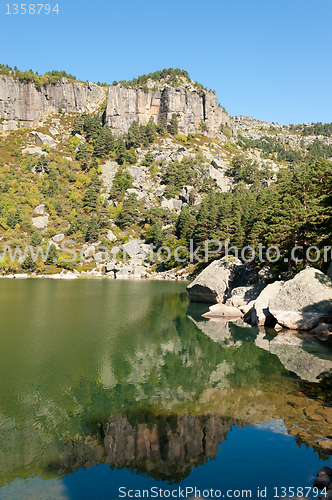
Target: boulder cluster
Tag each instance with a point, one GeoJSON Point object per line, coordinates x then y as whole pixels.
{"type": "Point", "coordinates": [236, 290]}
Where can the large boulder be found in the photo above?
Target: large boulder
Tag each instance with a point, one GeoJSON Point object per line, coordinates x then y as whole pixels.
{"type": "Point", "coordinates": [40, 222]}
{"type": "Point", "coordinates": [242, 295]}
{"type": "Point", "coordinates": [218, 279]}
{"type": "Point", "coordinates": [260, 314]}
{"type": "Point", "coordinates": [40, 210]}
{"type": "Point", "coordinates": [43, 139]}
{"type": "Point", "coordinates": [9, 125]}
{"type": "Point", "coordinates": [304, 301]}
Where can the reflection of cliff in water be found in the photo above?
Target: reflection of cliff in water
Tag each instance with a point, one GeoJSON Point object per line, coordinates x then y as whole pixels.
{"type": "Point", "coordinates": [160, 446]}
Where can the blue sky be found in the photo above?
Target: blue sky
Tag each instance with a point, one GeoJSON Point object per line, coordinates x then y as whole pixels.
{"type": "Point", "coordinates": [268, 59]}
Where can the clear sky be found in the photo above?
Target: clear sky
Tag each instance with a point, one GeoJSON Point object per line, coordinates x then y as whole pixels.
{"type": "Point", "coordinates": [264, 58]}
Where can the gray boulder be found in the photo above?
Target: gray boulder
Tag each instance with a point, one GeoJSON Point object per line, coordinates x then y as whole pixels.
{"type": "Point", "coordinates": [218, 279]}
{"type": "Point", "coordinates": [33, 150]}
{"type": "Point", "coordinates": [9, 125]}
{"type": "Point", "coordinates": [53, 131]}
{"type": "Point", "coordinates": [304, 301]}
{"type": "Point", "coordinates": [171, 204]}
{"type": "Point", "coordinates": [40, 222]}
{"type": "Point", "coordinates": [39, 210]}
{"type": "Point", "coordinates": [135, 250]}
{"type": "Point", "coordinates": [265, 274]}
{"type": "Point", "coordinates": [89, 251]}
{"type": "Point", "coordinates": [222, 311]}
{"type": "Point", "coordinates": [111, 236]}
{"type": "Point", "coordinates": [43, 139]}
{"type": "Point", "coordinates": [136, 172]}
{"type": "Point", "coordinates": [260, 314]}
{"type": "Point", "coordinates": [58, 237]}
{"type": "Point", "coordinates": [242, 295]}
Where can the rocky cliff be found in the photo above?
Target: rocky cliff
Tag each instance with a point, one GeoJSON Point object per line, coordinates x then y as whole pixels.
{"type": "Point", "coordinates": [20, 100]}
{"type": "Point", "coordinates": [124, 105]}
{"type": "Point", "coordinates": [23, 101]}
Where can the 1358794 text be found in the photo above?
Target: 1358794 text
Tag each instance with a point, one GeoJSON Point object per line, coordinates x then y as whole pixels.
{"type": "Point", "coordinates": [31, 8]}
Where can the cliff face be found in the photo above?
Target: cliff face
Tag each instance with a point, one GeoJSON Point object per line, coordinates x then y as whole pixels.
{"type": "Point", "coordinates": [124, 105]}
{"type": "Point", "coordinates": [23, 101]}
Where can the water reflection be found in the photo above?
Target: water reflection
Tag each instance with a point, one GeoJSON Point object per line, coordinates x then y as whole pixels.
{"type": "Point", "coordinates": [298, 353]}
{"type": "Point", "coordinates": [129, 374]}
{"type": "Point", "coordinates": [165, 447]}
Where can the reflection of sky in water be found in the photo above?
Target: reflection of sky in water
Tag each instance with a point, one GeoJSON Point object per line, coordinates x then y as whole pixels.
{"type": "Point", "coordinates": [277, 427]}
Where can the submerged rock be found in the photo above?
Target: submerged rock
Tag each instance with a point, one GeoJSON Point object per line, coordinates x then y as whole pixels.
{"type": "Point", "coordinates": [304, 301]}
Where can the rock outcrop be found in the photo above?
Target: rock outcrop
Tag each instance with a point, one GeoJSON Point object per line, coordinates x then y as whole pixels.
{"type": "Point", "coordinates": [124, 105]}
{"type": "Point", "coordinates": [261, 314]}
{"type": "Point", "coordinates": [303, 302]}
{"type": "Point", "coordinates": [218, 279]}
{"type": "Point", "coordinates": [23, 101]}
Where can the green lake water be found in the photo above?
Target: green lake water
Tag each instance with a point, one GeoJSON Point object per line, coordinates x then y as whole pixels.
{"type": "Point", "coordinates": [109, 384]}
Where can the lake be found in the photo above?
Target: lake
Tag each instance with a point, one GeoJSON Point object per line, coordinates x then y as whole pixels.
{"type": "Point", "coordinates": [119, 389]}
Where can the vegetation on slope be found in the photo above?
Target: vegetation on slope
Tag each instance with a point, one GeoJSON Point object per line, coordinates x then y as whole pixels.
{"type": "Point", "coordinates": [293, 210]}
{"type": "Point", "coordinates": [53, 76]}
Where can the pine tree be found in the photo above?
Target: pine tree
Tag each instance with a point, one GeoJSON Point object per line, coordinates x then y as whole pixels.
{"type": "Point", "coordinates": [134, 136]}
{"type": "Point", "coordinates": [129, 213]}
{"type": "Point", "coordinates": [29, 264]}
{"type": "Point", "coordinates": [162, 125]}
{"type": "Point", "coordinates": [123, 180]}
{"type": "Point", "coordinates": [52, 256]}
{"type": "Point", "coordinates": [36, 238]}
{"type": "Point", "coordinates": [78, 125]}
{"type": "Point", "coordinates": [92, 231]}
{"type": "Point", "coordinates": [83, 156]}
{"type": "Point", "coordinates": [90, 199]}
{"type": "Point", "coordinates": [121, 151]}
{"type": "Point", "coordinates": [185, 224]}
{"type": "Point", "coordinates": [14, 218]}
{"type": "Point", "coordinates": [173, 125]}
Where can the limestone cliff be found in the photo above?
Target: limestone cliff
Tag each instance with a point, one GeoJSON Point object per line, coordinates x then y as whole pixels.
{"type": "Point", "coordinates": [23, 101]}
{"type": "Point", "coordinates": [124, 105]}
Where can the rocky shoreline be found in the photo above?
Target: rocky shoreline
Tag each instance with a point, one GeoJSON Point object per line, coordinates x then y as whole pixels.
{"type": "Point", "coordinates": [69, 275]}
{"type": "Point", "coordinates": [237, 291]}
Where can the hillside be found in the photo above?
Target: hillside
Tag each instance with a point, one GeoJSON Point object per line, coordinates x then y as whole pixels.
{"type": "Point", "coordinates": [155, 160]}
